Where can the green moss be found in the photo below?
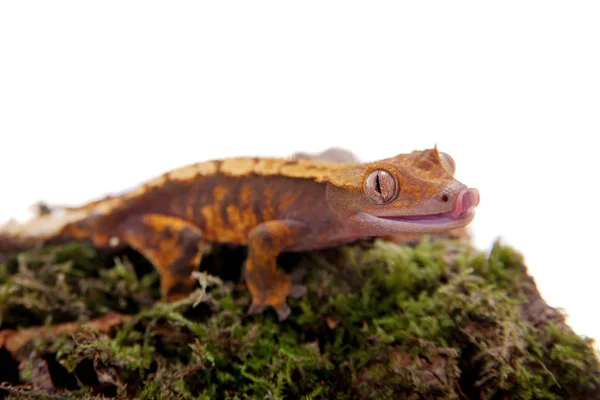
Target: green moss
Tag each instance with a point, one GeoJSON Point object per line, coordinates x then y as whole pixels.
{"type": "Point", "coordinates": [380, 320]}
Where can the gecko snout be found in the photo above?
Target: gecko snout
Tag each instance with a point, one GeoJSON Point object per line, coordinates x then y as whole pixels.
{"type": "Point", "coordinates": [465, 201]}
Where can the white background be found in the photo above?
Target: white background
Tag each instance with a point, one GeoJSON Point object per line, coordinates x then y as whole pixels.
{"type": "Point", "coordinates": [96, 97]}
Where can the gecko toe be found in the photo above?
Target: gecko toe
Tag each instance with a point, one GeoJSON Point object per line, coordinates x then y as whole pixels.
{"type": "Point", "coordinates": [297, 291]}
{"type": "Point", "coordinates": [283, 311]}
{"type": "Point", "coordinates": [256, 309]}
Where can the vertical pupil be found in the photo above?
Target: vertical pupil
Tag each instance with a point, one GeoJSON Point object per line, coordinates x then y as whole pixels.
{"type": "Point", "coordinates": [377, 184]}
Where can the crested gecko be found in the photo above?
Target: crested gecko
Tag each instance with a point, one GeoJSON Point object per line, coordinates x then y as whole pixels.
{"type": "Point", "coordinates": [270, 205]}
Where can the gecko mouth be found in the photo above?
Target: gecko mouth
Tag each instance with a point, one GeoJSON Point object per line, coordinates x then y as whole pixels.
{"type": "Point", "coordinates": [428, 218]}
{"type": "Point", "coordinates": [462, 213]}
{"type": "Point", "coordinates": [464, 208]}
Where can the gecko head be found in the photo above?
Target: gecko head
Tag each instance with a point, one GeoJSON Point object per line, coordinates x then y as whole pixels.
{"type": "Point", "coordinates": [414, 192]}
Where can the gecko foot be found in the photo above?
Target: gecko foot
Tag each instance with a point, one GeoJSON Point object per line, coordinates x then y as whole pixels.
{"type": "Point", "coordinates": [272, 288]}
{"type": "Point", "coordinates": [281, 308]}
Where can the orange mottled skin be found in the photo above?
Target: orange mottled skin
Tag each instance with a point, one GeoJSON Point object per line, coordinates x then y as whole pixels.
{"type": "Point", "coordinates": [270, 205]}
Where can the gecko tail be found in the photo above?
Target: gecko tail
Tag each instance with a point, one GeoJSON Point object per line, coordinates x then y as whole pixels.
{"type": "Point", "coordinates": [45, 228]}
{"type": "Point", "coordinates": [10, 244]}
{"type": "Point", "coordinates": [51, 224]}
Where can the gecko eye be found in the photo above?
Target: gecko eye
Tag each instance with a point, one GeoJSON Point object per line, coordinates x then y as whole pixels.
{"type": "Point", "coordinates": [448, 163]}
{"type": "Point", "coordinates": [380, 187]}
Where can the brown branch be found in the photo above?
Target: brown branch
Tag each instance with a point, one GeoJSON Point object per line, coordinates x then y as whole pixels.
{"type": "Point", "coordinates": [13, 340]}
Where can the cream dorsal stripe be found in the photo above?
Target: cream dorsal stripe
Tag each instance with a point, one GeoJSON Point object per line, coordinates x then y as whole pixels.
{"type": "Point", "coordinates": [51, 223]}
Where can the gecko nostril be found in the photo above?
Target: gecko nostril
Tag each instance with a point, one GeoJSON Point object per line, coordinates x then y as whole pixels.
{"type": "Point", "coordinates": [445, 198]}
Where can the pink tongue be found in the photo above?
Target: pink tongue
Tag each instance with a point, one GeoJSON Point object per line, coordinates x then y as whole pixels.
{"type": "Point", "coordinates": [466, 200]}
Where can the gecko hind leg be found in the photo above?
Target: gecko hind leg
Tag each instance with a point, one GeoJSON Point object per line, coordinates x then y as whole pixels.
{"type": "Point", "coordinates": [269, 285]}
{"type": "Point", "coordinates": [172, 245]}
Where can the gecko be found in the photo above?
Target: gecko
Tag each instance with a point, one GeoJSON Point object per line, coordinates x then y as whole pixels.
{"type": "Point", "coordinates": [271, 205]}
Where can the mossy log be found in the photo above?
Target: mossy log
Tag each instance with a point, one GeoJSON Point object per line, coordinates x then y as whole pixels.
{"type": "Point", "coordinates": [433, 319]}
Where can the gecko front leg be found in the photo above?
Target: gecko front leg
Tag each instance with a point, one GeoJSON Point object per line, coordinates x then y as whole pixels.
{"type": "Point", "coordinates": [269, 285]}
